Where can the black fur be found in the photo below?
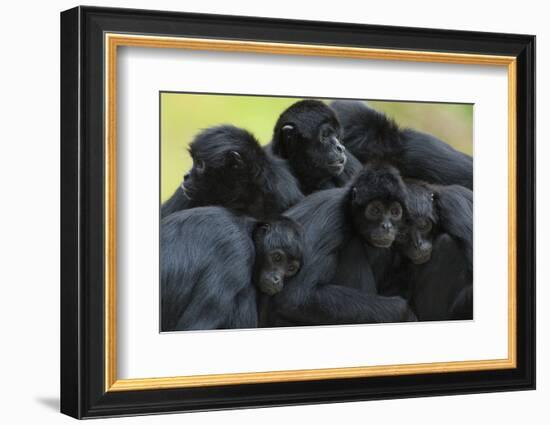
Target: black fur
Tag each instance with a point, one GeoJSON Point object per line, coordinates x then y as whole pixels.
{"type": "Point", "coordinates": [370, 135]}
{"type": "Point", "coordinates": [231, 169]}
{"type": "Point", "coordinates": [307, 135]}
{"type": "Point", "coordinates": [210, 261]}
{"type": "Point", "coordinates": [336, 284]}
{"type": "Point", "coordinates": [437, 284]}
{"type": "Point", "coordinates": [379, 180]}
{"type": "Point", "coordinates": [462, 306]}
{"type": "Point", "coordinates": [455, 207]}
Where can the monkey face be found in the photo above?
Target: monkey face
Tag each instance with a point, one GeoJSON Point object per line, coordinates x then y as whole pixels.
{"type": "Point", "coordinates": [276, 266]}
{"type": "Point", "coordinates": [378, 197]}
{"type": "Point", "coordinates": [226, 163]}
{"type": "Point", "coordinates": [421, 226]}
{"type": "Point", "coordinates": [308, 134]}
{"type": "Point", "coordinates": [376, 220]}
{"type": "Point", "coordinates": [381, 221]}
{"type": "Point", "coordinates": [327, 150]}
{"type": "Point", "coordinates": [279, 247]}
{"type": "Point", "coordinates": [220, 182]}
{"type": "Point", "coordinates": [414, 239]}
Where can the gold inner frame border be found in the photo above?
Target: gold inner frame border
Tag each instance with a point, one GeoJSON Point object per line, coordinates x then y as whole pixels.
{"type": "Point", "coordinates": [113, 40]}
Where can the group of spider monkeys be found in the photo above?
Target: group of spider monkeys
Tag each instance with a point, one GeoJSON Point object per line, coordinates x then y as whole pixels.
{"type": "Point", "coordinates": [343, 218]}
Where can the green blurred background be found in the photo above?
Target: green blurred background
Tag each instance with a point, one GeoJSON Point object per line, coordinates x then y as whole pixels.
{"type": "Point", "coordinates": [184, 115]}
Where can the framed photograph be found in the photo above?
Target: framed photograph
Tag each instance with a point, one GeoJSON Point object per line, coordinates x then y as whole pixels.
{"type": "Point", "coordinates": [261, 212]}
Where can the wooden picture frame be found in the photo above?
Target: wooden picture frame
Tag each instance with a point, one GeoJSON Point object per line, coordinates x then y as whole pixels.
{"type": "Point", "coordinates": [90, 39]}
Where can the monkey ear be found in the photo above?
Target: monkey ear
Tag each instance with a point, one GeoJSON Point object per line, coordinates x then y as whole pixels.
{"type": "Point", "coordinates": [285, 139]}
{"type": "Point", "coordinates": [287, 133]}
{"type": "Point", "coordinates": [236, 159]}
{"type": "Point", "coordinates": [264, 227]}
{"type": "Point", "coordinates": [353, 194]}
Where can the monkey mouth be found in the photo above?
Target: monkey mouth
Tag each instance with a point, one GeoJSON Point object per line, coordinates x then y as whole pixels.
{"type": "Point", "coordinates": [421, 258]}
{"type": "Point", "coordinates": [381, 243]}
{"type": "Point", "coordinates": [337, 167]}
{"type": "Point", "coordinates": [270, 288]}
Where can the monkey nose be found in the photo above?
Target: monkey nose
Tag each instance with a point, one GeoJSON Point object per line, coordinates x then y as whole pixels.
{"type": "Point", "coordinates": [418, 244]}
{"type": "Point", "coordinates": [386, 226]}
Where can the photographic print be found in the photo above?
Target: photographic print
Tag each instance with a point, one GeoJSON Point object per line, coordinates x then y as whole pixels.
{"type": "Point", "coordinates": [286, 211]}
{"type": "Point", "coordinates": [311, 214]}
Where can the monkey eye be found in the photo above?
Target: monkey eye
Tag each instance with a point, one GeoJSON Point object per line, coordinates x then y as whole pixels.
{"type": "Point", "coordinates": [374, 210]}
{"type": "Point", "coordinates": [395, 211]}
{"type": "Point", "coordinates": [292, 268]}
{"type": "Point", "coordinates": [425, 226]}
{"type": "Point", "coordinates": [277, 257]}
{"type": "Point", "coordinates": [200, 165]}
